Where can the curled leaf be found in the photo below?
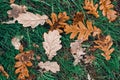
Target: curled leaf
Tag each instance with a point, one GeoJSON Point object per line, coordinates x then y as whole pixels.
{"type": "Point", "coordinates": [51, 43]}
{"type": "Point", "coordinates": [49, 66]}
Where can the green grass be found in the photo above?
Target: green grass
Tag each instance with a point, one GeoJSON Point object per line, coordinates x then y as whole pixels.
{"type": "Point", "coordinates": [103, 70]}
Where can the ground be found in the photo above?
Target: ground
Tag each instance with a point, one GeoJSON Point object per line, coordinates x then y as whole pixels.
{"type": "Point", "coordinates": [100, 69]}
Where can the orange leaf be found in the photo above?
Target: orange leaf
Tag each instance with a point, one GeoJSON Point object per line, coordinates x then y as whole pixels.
{"type": "Point", "coordinates": [78, 17]}
{"type": "Point", "coordinates": [4, 72]}
{"type": "Point", "coordinates": [81, 30]}
{"type": "Point", "coordinates": [107, 10]}
{"type": "Point", "coordinates": [92, 9]}
{"type": "Point", "coordinates": [58, 22]}
{"type": "Point", "coordinates": [104, 44]}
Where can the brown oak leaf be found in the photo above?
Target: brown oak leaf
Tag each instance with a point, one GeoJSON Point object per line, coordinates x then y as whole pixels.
{"type": "Point", "coordinates": [58, 22]}
{"type": "Point", "coordinates": [24, 61]}
{"type": "Point", "coordinates": [92, 9]}
{"type": "Point", "coordinates": [104, 44]}
{"type": "Point", "coordinates": [82, 31]}
{"type": "Point", "coordinates": [107, 10]}
{"type": "Point", "coordinates": [3, 71]}
{"type": "Point", "coordinates": [79, 16]}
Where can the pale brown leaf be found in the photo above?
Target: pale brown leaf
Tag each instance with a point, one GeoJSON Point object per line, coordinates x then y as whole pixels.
{"type": "Point", "coordinates": [30, 19]}
{"type": "Point", "coordinates": [16, 42]}
{"type": "Point", "coordinates": [77, 51]}
{"type": "Point", "coordinates": [51, 43]}
{"type": "Point", "coordinates": [49, 66]}
{"type": "Point", "coordinates": [16, 10]}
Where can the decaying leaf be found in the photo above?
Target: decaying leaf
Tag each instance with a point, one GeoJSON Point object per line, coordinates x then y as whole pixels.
{"type": "Point", "coordinates": [16, 10]}
{"type": "Point", "coordinates": [4, 72]}
{"type": "Point", "coordinates": [49, 66]}
{"type": "Point", "coordinates": [16, 42]}
{"type": "Point", "coordinates": [107, 10]}
{"type": "Point", "coordinates": [92, 9]}
{"type": "Point", "coordinates": [24, 17]}
{"type": "Point", "coordinates": [82, 31]}
{"type": "Point", "coordinates": [58, 23]}
{"type": "Point", "coordinates": [89, 59]}
{"type": "Point", "coordinates": [51, 43]}
{"type": "Point", "coordinates": [79, 16]}
{"type": "Point", "coordinates": [35, 45]}
{"type": "Point", "coordinates": [30, 19]}
{"type": "Point", "coordinates": [24, 61]}
{"type": "Point", "coordinates": [104, 44]}
{"type": "Point", "coordinates": [77, 51]}
{"type": "Point", "coordinates": [89, 77]}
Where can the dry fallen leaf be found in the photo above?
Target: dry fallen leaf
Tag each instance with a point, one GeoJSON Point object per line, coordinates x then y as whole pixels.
{"type": "Point", "coordinates": [89, 77]}
{"type": "Point", "coordinates": [16, 42]}
{"type": "Point", "coordinates": [30, 19]}
{"type": "Point", "coordinates": [58, 23]}
{"type": "Point", "coordinates": [16, 10]}
{"type": "Point", "coordinates": [79, 16]}
{"type": "Point", "coordinates": [77, 51]}
{"type": "Point", "coordinates": [92, 9]}
{"type": "Point", "coordinates": [82, 31]}
{"type": "Point", "coordinates": [104, 44]}
{"type": "Point", "coordinates": [49, 66]}
{"type": "Point", "coordinates": [89, 59]}
{"type": "Point", "coordinates": [4, 72]}
{"type": "Point", "coordinates": [24, 61]}
{"type": "Point", "coordinates": [107, 10]}
{"type": "Point", "coordinates": [51, 43]}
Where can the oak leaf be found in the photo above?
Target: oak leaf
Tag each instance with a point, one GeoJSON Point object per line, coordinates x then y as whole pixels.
{"type": "Point", "coordinates": [107, 10]}
{"type": "Point", "coordinates": [77, 51]}
{"type": "Point", "coordinates": [3, 71]}
{"type": "Point", "coordinates": [30, 19]}
{"type": "Point", "coordinates": [16, 42]}
{"type": "Point", "coordinates": [24, 61]}
{"type": "Point", "coordinates": [82, 31]}
{"type": "Point", "coordinates": [16, 10]}
{"type": "Point", "coordinates": [58, 22]}
{"type": "Point", "coordinates": [79, 16]}
{"type": "Point", "coordinates": [49, 66]}
{"type": "Point", "coordinates": [88, 59]}
{"type": "Point", "coordinates": [51, 43]}
{"type": "Point", "coordinates": [92, 9]}
{"type": "Point", "coordinates": [104, 44]}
